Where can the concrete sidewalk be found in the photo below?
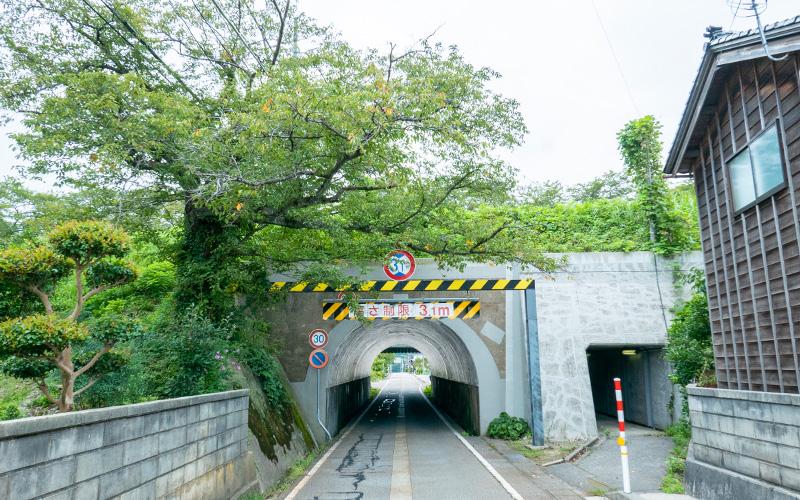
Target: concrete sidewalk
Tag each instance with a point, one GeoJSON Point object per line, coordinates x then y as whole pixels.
{"type": "Point", "coordinates": [599, 472]}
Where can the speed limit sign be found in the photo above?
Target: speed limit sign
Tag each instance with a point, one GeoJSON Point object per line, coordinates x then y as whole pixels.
{"type": "Point", "coordinates": [318, 338]}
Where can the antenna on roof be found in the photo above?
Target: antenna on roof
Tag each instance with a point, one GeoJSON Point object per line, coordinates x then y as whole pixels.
{"type": "Point", "coordinates": [754, 8]}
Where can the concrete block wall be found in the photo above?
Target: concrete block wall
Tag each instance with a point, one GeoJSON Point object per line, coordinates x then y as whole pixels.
{"type": "Point", "coordinates": [743, 441]}
{"type": "Point", "coordinates": [193, 447]}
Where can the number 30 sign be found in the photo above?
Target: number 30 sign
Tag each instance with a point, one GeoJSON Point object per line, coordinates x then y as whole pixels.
{"type": "Point", "coordinates": [318, 338]}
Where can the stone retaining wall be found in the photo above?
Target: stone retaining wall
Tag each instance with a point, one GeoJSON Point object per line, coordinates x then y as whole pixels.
{"type": "Point", "coordinates": [745, 444]}
{"type": "Point", "coordinates": [193, 447]}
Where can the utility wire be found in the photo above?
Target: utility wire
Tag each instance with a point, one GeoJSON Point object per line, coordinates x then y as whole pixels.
{"type": "Point", "coordinates": [616, 59]}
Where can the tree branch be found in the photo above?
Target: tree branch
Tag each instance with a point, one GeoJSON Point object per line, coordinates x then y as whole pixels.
{"type": "Point", "coordinates": [91, 382]}
{"type": "Point", "coordinates": [44, 390]}
{"type": "Point", "coordinates": [88, 366]}
{"type": "Point", "coordinates": [48, 307]}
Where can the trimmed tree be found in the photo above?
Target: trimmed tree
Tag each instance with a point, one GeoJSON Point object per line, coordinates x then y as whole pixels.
{"type": "Point", "coordinates": [31, 347]}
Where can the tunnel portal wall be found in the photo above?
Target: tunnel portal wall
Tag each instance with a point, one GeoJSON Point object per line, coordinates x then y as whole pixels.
{"type": "Point", "coordinates": [345, 401]}
{"type": "Point", "coordinates": [459, 401]}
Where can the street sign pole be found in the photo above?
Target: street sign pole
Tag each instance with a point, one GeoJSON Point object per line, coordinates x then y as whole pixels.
{"type": "Point", "coordinates": [319, 419]}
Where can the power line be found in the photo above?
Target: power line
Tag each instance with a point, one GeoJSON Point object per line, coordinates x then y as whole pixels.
{"type": "Point", "coordinates": [616, 59]}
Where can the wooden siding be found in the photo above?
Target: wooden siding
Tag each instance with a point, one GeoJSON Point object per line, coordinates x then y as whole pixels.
{"type": "Point", "coordinates": [752, 259]}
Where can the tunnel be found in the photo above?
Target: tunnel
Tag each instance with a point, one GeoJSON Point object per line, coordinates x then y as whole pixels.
{"type": "Point", "coordinates": [454, 377]}
{"type": "Point", "coordinates": [644, 374]}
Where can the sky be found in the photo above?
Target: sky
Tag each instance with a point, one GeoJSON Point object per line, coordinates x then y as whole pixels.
{"type": "Point", "coordinates": [556, 61]}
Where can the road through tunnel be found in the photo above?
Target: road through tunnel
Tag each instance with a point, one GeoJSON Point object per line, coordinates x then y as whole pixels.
{"type": "Point", "coordinates": [454, 377]}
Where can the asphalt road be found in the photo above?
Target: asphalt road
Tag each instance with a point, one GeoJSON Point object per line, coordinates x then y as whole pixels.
{"type": "Point", "coordinates": [401, 449]}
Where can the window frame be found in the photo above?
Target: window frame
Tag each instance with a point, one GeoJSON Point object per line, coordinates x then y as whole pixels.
{"type": "Point", "coordinates": [746, 149]}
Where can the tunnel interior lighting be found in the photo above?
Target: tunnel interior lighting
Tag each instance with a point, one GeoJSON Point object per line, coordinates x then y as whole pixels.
{"type": "Point", "coordinates": [629, 352]}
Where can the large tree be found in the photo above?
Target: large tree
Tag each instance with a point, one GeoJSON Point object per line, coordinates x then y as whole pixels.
{"type": "Point", "coordinates": [262, 124]}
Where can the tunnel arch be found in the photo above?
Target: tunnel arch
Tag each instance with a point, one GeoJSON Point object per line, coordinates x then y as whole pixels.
{"type": "Point", "coordinates": [447, 353]}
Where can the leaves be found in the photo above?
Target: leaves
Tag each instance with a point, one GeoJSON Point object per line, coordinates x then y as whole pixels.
{"type": "Point", "coordinates": [87, 241]}
{"type": "Point", "coordinates": [507, 427]}
{"type": "Point", "coordinates": [40, 335]}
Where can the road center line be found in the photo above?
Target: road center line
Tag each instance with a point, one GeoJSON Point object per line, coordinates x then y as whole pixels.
{"type": "Point", "coordinates": [293, 494]}
{"type": "Point", "coordinates": [500, 479]}
{"type": "Point", "coordinates": [401, 466]}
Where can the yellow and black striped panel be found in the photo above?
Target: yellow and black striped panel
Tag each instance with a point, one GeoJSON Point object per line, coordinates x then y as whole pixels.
{"type": "Point", "coordinates": [407, 286]}
{"type": "Point", "coordinates": [464, 309]}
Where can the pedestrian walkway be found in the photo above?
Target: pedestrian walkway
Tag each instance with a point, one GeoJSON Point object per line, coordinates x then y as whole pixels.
{"type": "Point", "coordinates": [599, 471]}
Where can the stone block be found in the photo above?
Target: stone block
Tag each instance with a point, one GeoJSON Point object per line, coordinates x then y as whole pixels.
{"type": "Point", "coordinates": [174, 418]}
{"type": "Point", "coordinates": [4, 483]}
{"type": "Point", "coordinates": [786, 414]}
{"type": "Point", "coordinates": [750, 409]}
{"type": "Point", "coordinates": [228, 437]}
{"type": "Point", "coordinates": [86, 489]}
{"type": "Point", "coordinates": [740, 463]}
{"type": "Point", "coordinates": [788, 435]}
{"type": "Point", "coordinates": [715, 405]}
{"type": "Point", "coordinates": [117, 431]}
{"type": "Point", "coordinates": [146, 491]}
{"type": "Point", "coordinates": [42, 479]}
{"type": "Point", "coordinates": [142, 448]}
{"type": "Point", "coordinates": [193, 414]}
{"type": "Point", "coordinates": [205, 411]}
{"type": "Point", "coordinates": [721, 441]}
{"type": "Point", "coordinates": [171, 439]}
{"type": "Point", "coordinates": [168, 483]}
{"type": "Point", "coordinates": [789, 457]}
{"type": "Point", "coordinates": [746, 428]}
{"type": "Point", "coordinates": [706, 454]}
{"type": "Point", "coordinates": [190, 472]}
{"type": "Point", "coordinates": [760, 450]}
{"type": "Point", "coordinates": [769, 473]}
{"type": "Point", "coordinates": [121, 480]}
{"type": "Point", "coordinates": [206, 446]}
{"type": "Point", "coordinates": [98, 462]}
{"type": "Point", "coordinates": [197, 431]}
{"type": "Point", "coordinates": [59, 495]}
{"type": "Point", "coordinates": [149, 469]}
{"type": "Point", "coordinates": [790, 478]}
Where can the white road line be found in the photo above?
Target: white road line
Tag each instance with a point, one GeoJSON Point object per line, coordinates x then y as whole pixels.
{"type": "Point", "coordinates": [401, 467]}
{"type": "Point", "coordinates": [500, 479]}
{"type": "Point", "coordinates": [293, 494]}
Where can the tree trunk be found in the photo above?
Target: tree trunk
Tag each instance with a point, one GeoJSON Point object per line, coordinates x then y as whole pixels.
{"type": "Point", "coordinates": [67, 398]}
{"type": "Point", "coordinates": [200, 260]}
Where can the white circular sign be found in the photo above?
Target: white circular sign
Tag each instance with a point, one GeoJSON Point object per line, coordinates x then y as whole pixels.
{"type": "Point", "coordinates": [318, 338]}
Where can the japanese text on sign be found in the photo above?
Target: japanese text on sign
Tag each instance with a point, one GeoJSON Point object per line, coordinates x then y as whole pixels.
{"type": "Point", "coordinates": [407, 310]}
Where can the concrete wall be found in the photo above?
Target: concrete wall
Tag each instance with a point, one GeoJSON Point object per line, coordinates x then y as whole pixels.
{"type": "Point", "coordinates": [744, 444]}
{"type": "Point", "coordinates": [344, 402]}
{"type": "Point", "coordinates": [460, 401]}
{"type": "Point", "coordinates": [194, 447]}
{"type": "Point", "coordinates": [598, 299]}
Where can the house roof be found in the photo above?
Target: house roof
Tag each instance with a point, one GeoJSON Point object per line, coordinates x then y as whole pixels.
{"type": "Point", "coordinates": [719, 56]}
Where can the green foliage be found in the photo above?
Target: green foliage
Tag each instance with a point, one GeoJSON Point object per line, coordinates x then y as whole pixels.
{"type": "Point", "coordinates": [37, 266]}
{"type": "Point", "coordinates": [88, 241]}
{"type": "Point", "coordinates": [110, 271]}
{"type": "Point", "coordinates": [156, 279]}
{"type": "Point", "coordinates": [640, 146]}
{"type": "Point", "coordinates": [689, 346]}
{"type": "Point", "coordinates": [421, 365]}
{"type": "Point", "coordinates": [681, 434]}
{"type": "Point", "coordinates": [428, 391]}
{"type": "Point", "coordinates": [10, 412]}
{"type": "Point", "coordinates": [507, 427]}
{"type": "Point", "coordinates": [266, 368]}
{"type": "Point", "coordinates": [39, 335]}
{"type": "Point", "coordinates": [186, 355]}
{"type": "Point", "coordinates": [381, 365]}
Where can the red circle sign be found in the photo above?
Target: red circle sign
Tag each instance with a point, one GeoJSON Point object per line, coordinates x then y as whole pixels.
{"type": "Point", "coordinates": [401, 265]}
{"type": "Point", "coordinates": [318, 359]}
{"type": "Point", "coordinates": [318, 338]}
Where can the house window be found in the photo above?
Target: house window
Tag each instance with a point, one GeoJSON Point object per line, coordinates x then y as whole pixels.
{"type": "Point", "coordinates": [757, 171]}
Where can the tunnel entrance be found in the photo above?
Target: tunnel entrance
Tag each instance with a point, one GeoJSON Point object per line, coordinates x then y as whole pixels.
{"type": "Point", "coordinates": [646, 388]}
{"type": "Point", "coordinates": [397, 344]}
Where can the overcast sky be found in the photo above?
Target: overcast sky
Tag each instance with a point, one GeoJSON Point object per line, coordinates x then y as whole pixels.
{"type": "Point", "coordinates": [556, 62]}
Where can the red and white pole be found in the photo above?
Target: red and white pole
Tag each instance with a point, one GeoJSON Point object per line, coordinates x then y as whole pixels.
{"type": "Point", "coordinates": [623, 445]}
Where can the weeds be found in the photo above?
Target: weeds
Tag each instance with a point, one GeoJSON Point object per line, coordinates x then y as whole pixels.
{"type": "Point", "coordinates": [681, 434]}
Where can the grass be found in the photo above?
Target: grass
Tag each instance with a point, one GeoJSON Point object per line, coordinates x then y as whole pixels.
{"type": "Point", "coordinates": [13, 392]}
{"type": "Point", "coordinates": [680, 433]}
{"type": "Point", "coordinates": [373, 392]}
{"type": "Point", "coordinates": [519, 446]}
{"type": "Point", "coordinates": [598, 492]}
{"type": "Point", "coordinates": [428, 391]}
{"type": "Point", "coordinates": [297, 470]}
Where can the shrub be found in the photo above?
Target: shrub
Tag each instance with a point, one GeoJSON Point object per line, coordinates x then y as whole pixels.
{"type": "Point", "coordinates": [10, 412]}
{"type": "Point", "coordinates": [507, 427]}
